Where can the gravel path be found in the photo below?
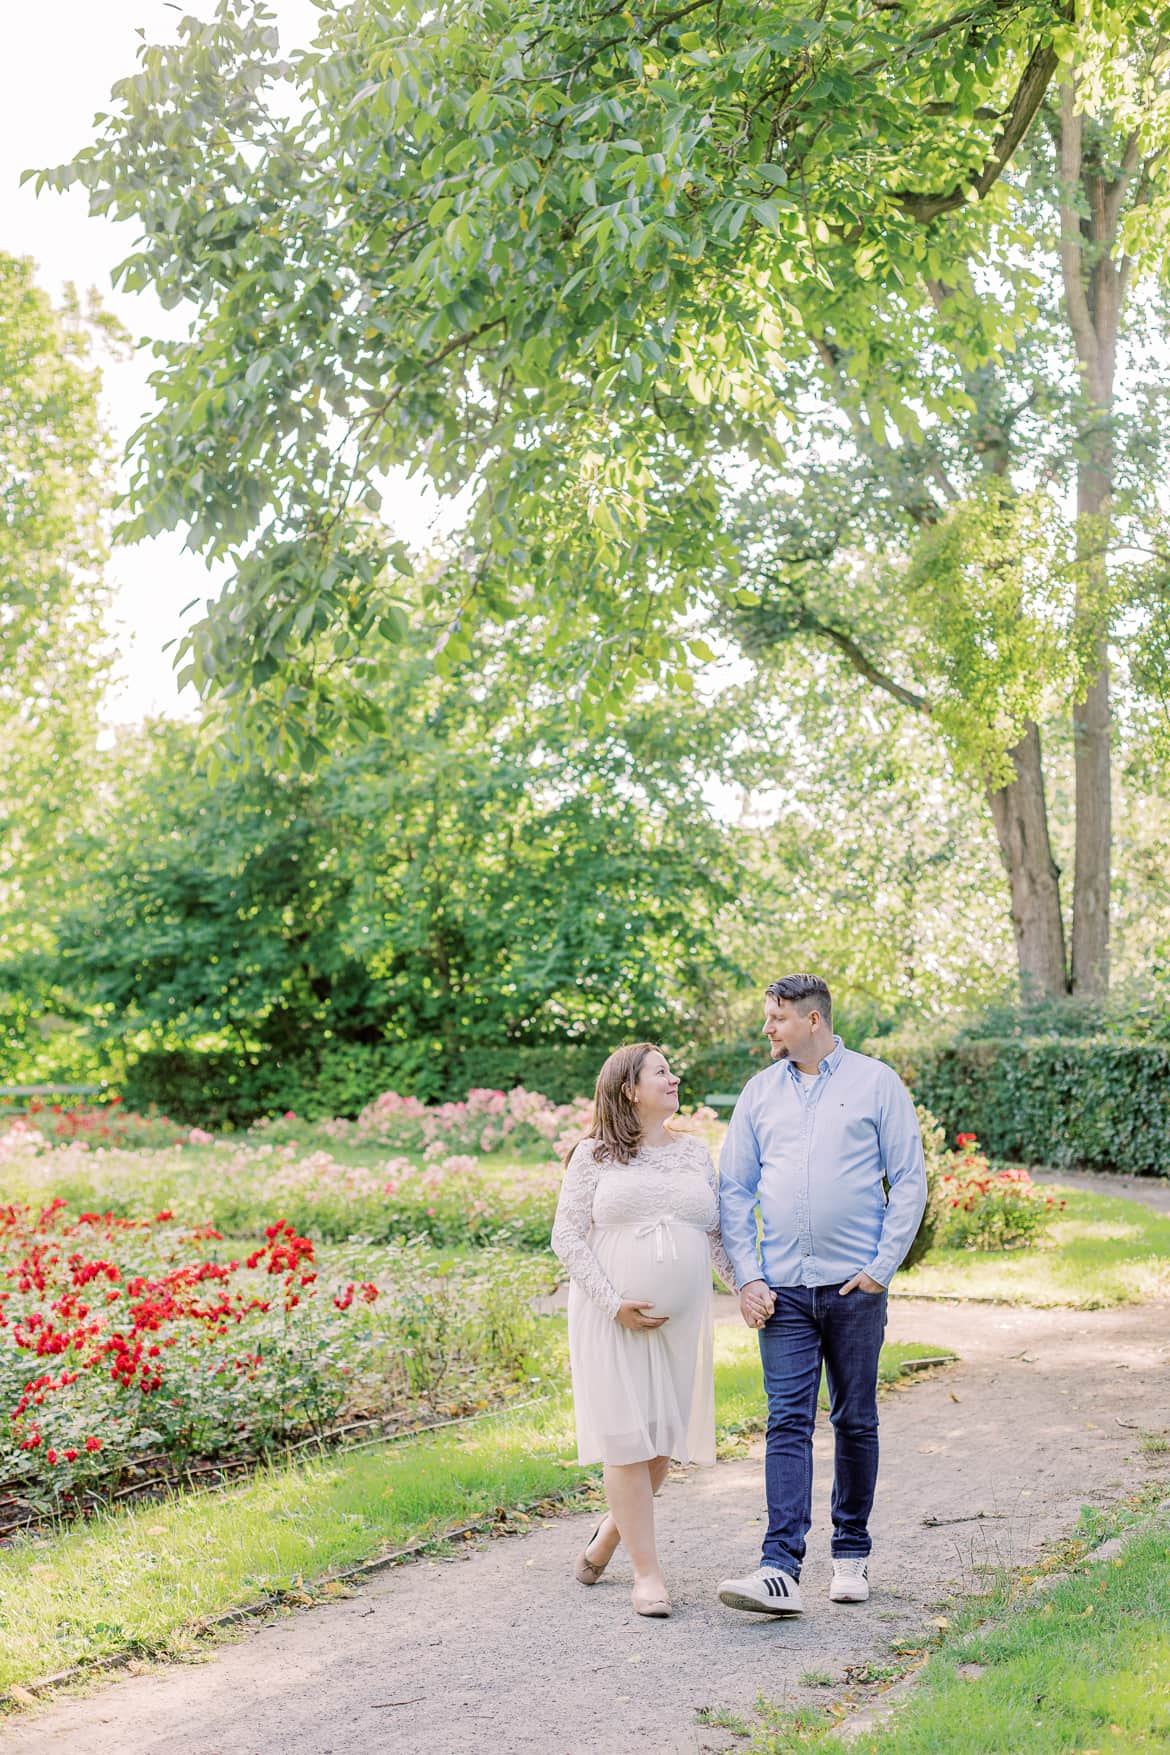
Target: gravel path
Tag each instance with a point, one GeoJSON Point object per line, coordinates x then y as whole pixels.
{"type": "Point", "coordinates": [498, 1650]}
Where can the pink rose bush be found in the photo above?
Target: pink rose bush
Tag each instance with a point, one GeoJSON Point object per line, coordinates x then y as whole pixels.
{"type": "Point", "coordinates": [485, 1121]}
{"type": "Point", "coordinates": [481, 1170]}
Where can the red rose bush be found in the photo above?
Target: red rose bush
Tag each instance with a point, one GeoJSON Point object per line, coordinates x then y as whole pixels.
{"type": "Point", "coordinates": [126, 1343]}
{"type": "Point", "coordinates": [982, 1208]}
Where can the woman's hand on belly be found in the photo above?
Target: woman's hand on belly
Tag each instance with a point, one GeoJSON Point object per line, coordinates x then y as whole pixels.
{"type": "Point", "coordinates": [630, 1315]}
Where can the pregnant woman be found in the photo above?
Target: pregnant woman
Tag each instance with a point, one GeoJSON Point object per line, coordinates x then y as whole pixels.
{"type": "Point", "coordinates": [637, 1227]}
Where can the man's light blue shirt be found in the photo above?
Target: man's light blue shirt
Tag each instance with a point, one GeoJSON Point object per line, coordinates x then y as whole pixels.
{"type": "Point", "coordinates": [812, 1158]}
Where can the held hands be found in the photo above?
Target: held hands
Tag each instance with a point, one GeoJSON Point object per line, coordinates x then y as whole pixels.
{"type": "Point", "coordinates": [861, 1283]}
{"type": "Point", "coordinates": [756, 1303]}
{"type": "Point", "coordinates": [630, 1314]}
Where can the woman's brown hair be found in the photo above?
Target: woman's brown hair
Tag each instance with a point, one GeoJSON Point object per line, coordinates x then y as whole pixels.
{"type": "Point", "coordinates": [614, 1123]}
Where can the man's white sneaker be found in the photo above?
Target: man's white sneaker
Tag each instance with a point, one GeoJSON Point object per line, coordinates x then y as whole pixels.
{"type": "Point", "coordinates": [850, 1579]}
{"type": "Point", "coordinates": [766, 1592]}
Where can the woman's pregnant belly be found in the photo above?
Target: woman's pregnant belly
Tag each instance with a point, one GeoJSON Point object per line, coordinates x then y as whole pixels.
{"type": "Point", "coordinates": [674, 1284]}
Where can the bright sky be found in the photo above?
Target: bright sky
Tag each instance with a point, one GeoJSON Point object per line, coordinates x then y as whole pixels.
{"type": "Point", "coordinates": [63, 57]}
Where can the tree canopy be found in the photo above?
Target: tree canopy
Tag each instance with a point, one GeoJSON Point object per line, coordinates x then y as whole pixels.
{"type": "Point", "coordinates": [478, 871]}
{"type": "Point", "coordinates": [552, 253]}
{"type": "Point", "coordinates": [596, 270]}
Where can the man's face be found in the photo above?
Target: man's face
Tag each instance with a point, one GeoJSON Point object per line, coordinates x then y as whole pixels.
{"type": "Point", "coordinates": [788, 1032]}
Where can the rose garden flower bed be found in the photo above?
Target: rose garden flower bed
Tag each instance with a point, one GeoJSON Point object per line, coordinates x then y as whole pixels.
{"type": "Point", "coordinates": [130, 1345]}
{"type": "Point", "coordinates": [477, 1172]}
{"type": "Point", "coordinates": [449, 1199]}
{"type": "Point", "coordinates": [484, 1121]}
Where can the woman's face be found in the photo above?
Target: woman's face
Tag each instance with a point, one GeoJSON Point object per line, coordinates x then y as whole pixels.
{"type": "Point", "coordinates": [656, 1092]}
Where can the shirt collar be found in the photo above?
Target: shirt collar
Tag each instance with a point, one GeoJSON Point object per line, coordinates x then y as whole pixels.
{"type": "Point", "coordinates": [829, 1064]}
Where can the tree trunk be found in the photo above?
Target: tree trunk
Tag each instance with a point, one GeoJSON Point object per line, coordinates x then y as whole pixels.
{"type": "Point", "coordinates": [1021, 823]}
{"type": "Point", "coordinates": [1092, 869]}
{"type": "Point", "coordinates": [1094, 275]}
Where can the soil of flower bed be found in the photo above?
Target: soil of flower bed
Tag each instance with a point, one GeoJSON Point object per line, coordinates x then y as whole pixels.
{"type": "Point", "coordinates": [498, 1648]}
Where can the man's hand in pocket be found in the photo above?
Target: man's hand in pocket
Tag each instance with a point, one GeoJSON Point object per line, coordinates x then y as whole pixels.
{"type": "Point", "coordinates": [861, 1283]}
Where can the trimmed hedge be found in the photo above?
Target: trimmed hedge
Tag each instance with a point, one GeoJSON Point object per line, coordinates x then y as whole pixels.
{"type": "Point", "coordinates": [218, 1087]}
{"type": "Point", "coordinates": [718, 1067]}
{"type": "Point", "coordinates": [1091, 1103]}
{"type": "Point", "coordinates": [213, 1088]}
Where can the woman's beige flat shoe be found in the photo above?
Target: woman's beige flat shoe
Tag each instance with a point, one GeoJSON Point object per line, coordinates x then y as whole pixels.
{"type": "Point", "coordinates": [584, 1571]}
{"type": "Point", "coordinates": [656, 1606]}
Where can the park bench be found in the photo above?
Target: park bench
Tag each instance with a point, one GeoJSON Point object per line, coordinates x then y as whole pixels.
{"type": "Point", "coordinates": [722, 1099]}
{"type": "Point", "coordinates": [7, 1091]}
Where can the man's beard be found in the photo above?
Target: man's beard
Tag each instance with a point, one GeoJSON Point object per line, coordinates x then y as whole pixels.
{"type": "Point", "coordinates": [779, 1052]}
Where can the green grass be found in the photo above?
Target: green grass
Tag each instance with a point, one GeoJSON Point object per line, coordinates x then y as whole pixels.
{"type": "Point", "coordinates": [1102, 1250]}
{"type": "Point", "coordinates": [1087, 1668]}
{"type": "Point", "coordinates": [143, 1579]}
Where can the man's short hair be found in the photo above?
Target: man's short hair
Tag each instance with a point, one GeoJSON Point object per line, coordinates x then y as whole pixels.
{"type": "Point", "coordinates": [806, 992]}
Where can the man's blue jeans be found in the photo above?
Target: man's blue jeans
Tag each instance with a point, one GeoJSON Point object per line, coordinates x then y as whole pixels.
{"type": "Point", "coordinates": [812, 1325]}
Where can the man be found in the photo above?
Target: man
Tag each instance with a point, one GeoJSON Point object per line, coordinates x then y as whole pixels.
{"type": "Point", "coordinates": [813, 1142]}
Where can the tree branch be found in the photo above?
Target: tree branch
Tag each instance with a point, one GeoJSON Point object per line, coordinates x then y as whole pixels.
{"type": "Point", "coordinates": [864, 666]}
{"type": "Point", "coordinates": [848, 646]}
{"type": "Point", "coordinates": [1029, 95]}
{"type": "Point", "coordinates": [1116, 192]}
{"type": "Point", "coordinates": [1070, 140]}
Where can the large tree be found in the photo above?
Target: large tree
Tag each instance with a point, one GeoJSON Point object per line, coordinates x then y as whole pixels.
{"type": "Point", "coordinates": [949, 530]}
{"type": "Point", "coordinates": [566, 258]}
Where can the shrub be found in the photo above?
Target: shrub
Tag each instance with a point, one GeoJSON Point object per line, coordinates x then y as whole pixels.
{"type": "Point", "coordinates": [483, 1121]}
{"type": "Point", "coordinates": [934, 1151]}
{"type": "Point", "coordinates": [719, 1066]}
{"type": "Point", "coordinates": [982, 1208]}
{"type": "Point", "coordinates": [59, 1124]}
{"type": "Point", "coordinates": [1095, 1103]}
{"type": "Point", "coordinates": [223, 1087]}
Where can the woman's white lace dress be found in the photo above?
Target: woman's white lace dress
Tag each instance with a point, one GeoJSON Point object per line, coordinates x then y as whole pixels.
{"type": "Point", "coordinates": [648, 1229]}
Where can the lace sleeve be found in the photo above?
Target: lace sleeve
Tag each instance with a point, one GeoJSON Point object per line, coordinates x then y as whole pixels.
{"type": "Point", "coordinates": [571, 1229]}
{"type": "Point", "coordinates": [720, 1260]}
